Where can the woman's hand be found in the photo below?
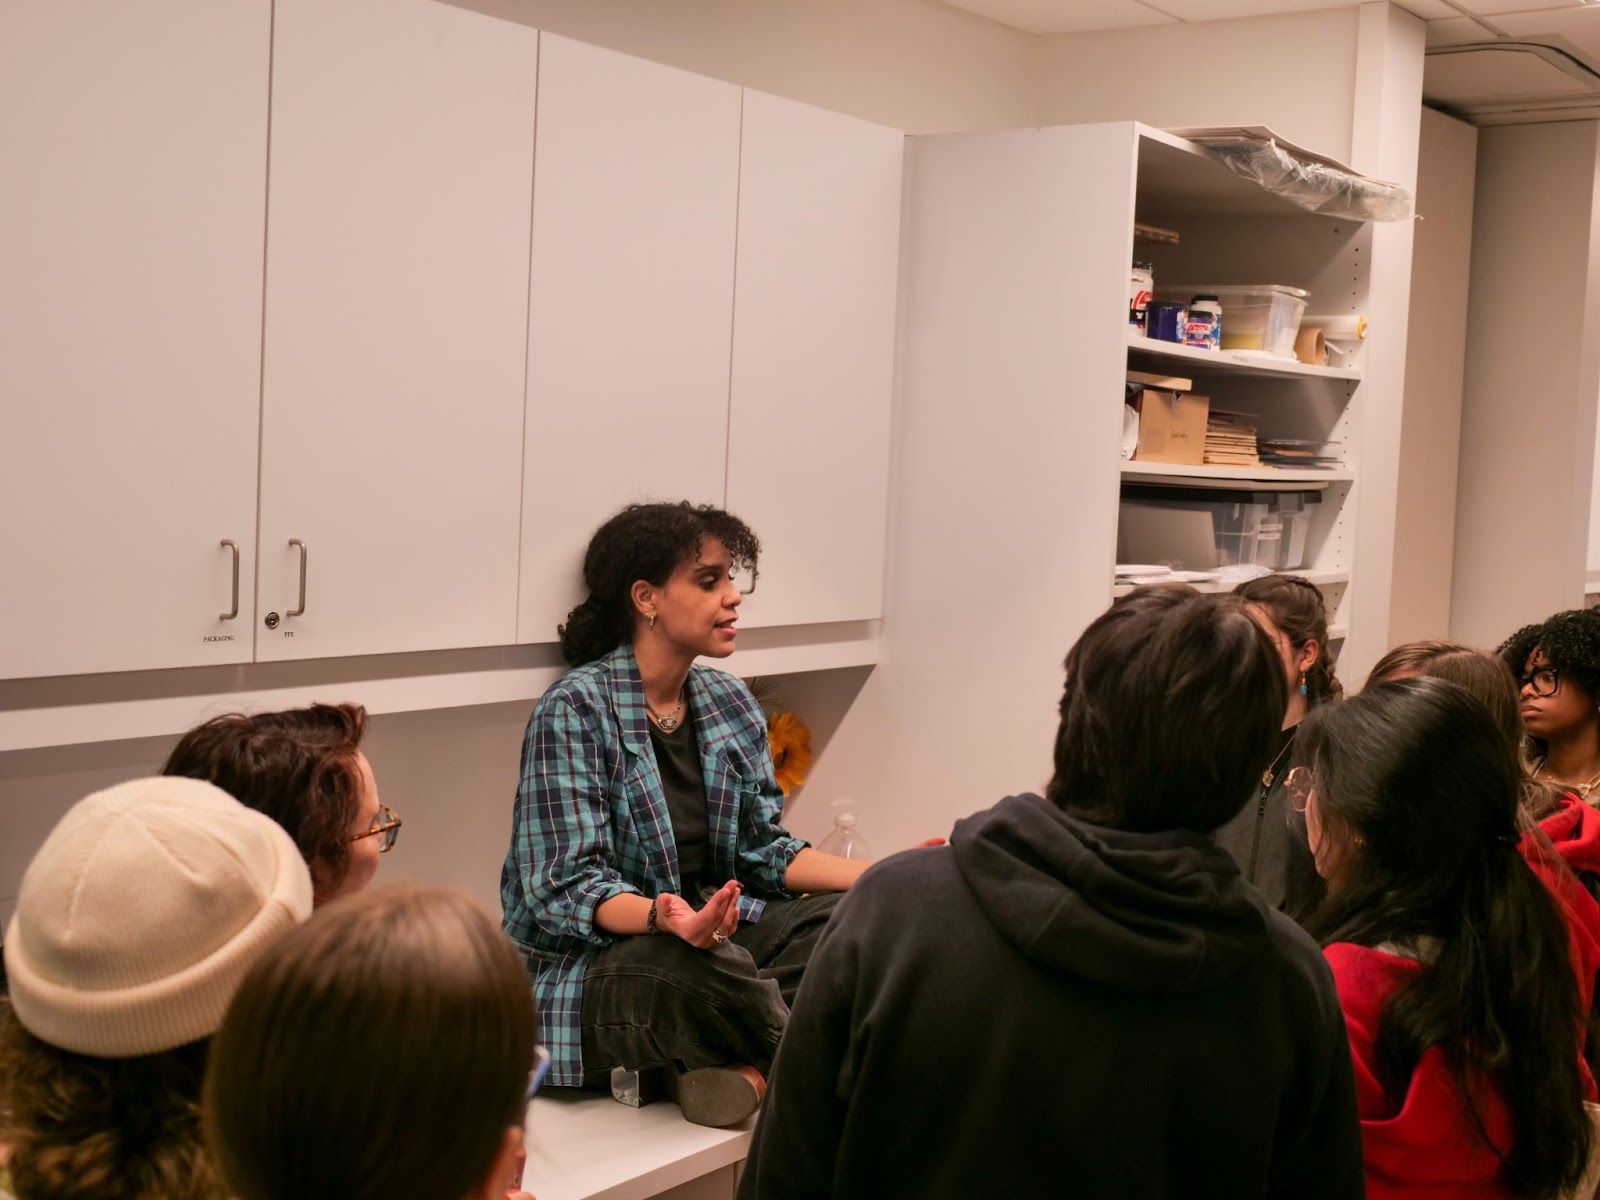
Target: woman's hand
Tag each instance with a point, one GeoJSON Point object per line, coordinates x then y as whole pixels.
{"type": "Point", "coordinates": [710, 926]}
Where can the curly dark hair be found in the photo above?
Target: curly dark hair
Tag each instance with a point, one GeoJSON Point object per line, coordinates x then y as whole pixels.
{"type": "Point", "coordinates": [85, 1128]}
{"type": "Point", "coordinates": [649, 542]}
{"type": "Point", "coordinates": [297, 766]}
{"type": "Point", "coordinates": [1296, 606]}
{"type": "Point", "coordinates": [1571, 644]}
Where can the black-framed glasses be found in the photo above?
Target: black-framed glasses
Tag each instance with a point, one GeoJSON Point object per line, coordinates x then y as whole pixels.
{"type": "Point", "coordinates": [1546, 681]}
{"type": "Point", "coordinates": [1298, 785]}
{"type": "Point", "coordinates": [386, 825]}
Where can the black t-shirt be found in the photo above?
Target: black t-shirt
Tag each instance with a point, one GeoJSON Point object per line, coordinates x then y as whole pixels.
{"type": "Point", "coordinates": [678, 759]}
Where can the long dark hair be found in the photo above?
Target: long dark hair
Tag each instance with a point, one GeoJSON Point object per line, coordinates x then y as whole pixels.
{"type": "Point", "coordinates": [649, 542]}
{"type": "Point", "coordinates": [1422, 774]}
{"type": "Point", "coordinates": [381, 1049]}
{"type": "Point", "coordinates": [1297, 608]}
{"type": "Point", "coordinates": [297, 766]}
{"type": "Point", "coordinates": [86, 1128]}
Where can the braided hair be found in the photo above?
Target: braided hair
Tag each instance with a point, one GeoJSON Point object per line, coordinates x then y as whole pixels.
{"type": "Point", "coordinates": [1297, 608]}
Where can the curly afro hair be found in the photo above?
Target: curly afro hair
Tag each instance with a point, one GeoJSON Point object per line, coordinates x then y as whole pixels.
{"type": "Point", "coordinates": [649, 542]}
{"type": "Point", "coordinates": [1571, 644]}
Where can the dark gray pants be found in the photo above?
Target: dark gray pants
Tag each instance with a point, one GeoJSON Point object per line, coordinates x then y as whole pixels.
{"type": "Point", "coordinates": [654, 1001]}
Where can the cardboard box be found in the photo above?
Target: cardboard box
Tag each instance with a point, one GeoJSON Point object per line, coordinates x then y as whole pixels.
{"type": "Point", "coordinates": [1172, 427]}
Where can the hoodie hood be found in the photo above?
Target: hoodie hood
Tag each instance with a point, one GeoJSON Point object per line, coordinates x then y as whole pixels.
{"type": "Point", "coordinates": [1574, 830]}
{"type": "Point", "coordinates": [1142, 912]}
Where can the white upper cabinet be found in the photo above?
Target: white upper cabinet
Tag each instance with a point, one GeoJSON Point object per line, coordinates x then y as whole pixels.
{"type": "Point", "coordinates": [396, 327]}
{"type": "Point", "coordinates": [813, 357]}
{"type": "Point", "coordinates": [631, 312]}
{"type": "Point", "coordinates": [132, 182]}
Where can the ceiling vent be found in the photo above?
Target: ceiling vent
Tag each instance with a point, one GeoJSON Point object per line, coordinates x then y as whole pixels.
{"type": "Point", "coordinates": [1513, 81]}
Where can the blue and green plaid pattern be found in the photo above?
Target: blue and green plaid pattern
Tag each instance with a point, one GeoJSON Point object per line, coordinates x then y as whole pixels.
{"type": "Point", "coordinates": [591, 822]}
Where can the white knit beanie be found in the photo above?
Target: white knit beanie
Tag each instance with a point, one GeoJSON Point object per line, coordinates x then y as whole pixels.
{"type": "Point", "coordinates": [141, 913]}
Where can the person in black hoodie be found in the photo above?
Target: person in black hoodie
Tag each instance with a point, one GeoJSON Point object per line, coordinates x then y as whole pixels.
{"type": "Point", "coordinates": [1081, 996]}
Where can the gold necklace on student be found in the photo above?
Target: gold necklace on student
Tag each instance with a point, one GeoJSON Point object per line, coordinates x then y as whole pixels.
{"type": "Point", "coordinates": [1271, 772]}
{"type": "Point", "coordinates": [1582, 789]}
{"type": "Point", "coordinates": [667, 722]}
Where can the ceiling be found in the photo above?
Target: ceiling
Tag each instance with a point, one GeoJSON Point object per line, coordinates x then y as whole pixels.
{"type": "Point", "coordinates": [1492, 62]}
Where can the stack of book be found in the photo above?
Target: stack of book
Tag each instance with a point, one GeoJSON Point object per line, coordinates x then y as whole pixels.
{"type": "Point", "coordinates": [1230, 440]}
{"type": "Point", "coordinates": [1299, 454]}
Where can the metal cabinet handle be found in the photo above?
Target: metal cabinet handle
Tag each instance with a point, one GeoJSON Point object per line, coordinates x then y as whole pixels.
{"type": "Point", "coordinates": [234, 612]}
{"type": "Point", "coordinates": [296, 612]}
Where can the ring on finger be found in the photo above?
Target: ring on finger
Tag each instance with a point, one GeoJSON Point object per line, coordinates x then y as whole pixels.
{"type": "Point", "coordinates": [718, 937]}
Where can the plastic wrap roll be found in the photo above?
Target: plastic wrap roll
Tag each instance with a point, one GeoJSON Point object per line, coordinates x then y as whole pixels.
{"type": "Point", "coordinates": [1348, 328]}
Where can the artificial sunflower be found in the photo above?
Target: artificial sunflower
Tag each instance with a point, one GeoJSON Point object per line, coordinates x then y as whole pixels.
{"type": "Point", "coordinates": [791, 750]}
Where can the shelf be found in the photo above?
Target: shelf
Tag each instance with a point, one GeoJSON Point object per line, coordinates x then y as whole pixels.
{"type": "Point", "coordinates": [1180, 177]}
{"type": "Point", "coordinates": [1231, 362]}
{"type": "Point", "coordinates": [1259, 479]}
{"type": "Point", "coordinates": [1320, 578]}
{"type": "Point", "coordinates": [1337, 633]}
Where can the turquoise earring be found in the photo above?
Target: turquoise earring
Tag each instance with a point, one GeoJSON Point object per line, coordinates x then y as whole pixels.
{"type": "Point", "coordinates": [1303, 683]}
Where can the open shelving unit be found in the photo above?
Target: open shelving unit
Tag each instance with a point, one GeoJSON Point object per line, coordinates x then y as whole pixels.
{"type": "Point", "coordinates": [1231, 231]}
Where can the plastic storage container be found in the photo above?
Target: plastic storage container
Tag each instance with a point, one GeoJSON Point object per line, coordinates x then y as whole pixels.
{"type": "Point", "coordinates": [1265, 529]}
{"type": "Point", "coordinates": [1262, 317]}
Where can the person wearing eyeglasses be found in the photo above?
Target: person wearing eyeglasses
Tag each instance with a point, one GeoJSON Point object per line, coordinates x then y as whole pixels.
{"type": "Point", "coordinates": [388, 1048]}
{"type": "Point", "coordinates": [304, 768]}
{"type": "Point", "coordinates": [665, 914]}
{"type": "Point", "coordinates": [1081, 996]}
{"type": "Point", "coordinates": [1451, 957]}
{"type": "Point", "coordinates": [1557, 663]}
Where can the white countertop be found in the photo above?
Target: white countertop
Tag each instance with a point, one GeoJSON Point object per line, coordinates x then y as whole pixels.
{"type": "Point", "coordinates": [589, 1147]}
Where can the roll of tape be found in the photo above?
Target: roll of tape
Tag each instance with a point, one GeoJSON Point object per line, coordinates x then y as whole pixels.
{"type": "Point", "coordinates": [1311, 347]}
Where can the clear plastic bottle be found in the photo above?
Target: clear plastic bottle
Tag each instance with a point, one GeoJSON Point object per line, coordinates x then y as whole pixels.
{"type": "Point", "coordinates": [844, 840]}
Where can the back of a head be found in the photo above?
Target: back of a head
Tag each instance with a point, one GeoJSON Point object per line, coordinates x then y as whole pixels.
{"type": "Point", "coordinates": [135, 922]}
{"type": "Point", "coordinates": [382, 1050]}
{"type": "Point", "coordinates": [1172, 705]}
{"type": "Point", "coordinates": [297, 765]}
{"type": "Point", "coordinates": [1483, 674]}
{"type": "Point", "coordinates": [1422, 770]}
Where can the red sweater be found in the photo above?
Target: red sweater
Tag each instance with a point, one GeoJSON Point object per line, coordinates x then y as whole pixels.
{"type": "Point", "coordinates": [1574, 831]}
{"type": "Point", "coordinates": [1428, 1145]}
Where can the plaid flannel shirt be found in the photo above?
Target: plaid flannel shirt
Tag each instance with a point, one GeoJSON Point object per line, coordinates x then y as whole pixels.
{"type": "Point", "coordinates": [591, 822]}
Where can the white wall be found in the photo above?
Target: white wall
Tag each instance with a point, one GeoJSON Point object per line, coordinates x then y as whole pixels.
{"type": "Point", "coordinates": [914, 65]}
{"type": "Point", "coordinates": [1532, 377]}
{"type": "Point", "coordinates": [1430, 432]}
{"type": "Point", "coordinates": [1294, 72]}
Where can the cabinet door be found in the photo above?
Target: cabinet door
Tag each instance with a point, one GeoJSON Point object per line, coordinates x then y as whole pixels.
{"type": "Point", "coordinates": [396, 327]}
{"type": "Point", "coordinates": [133, 139]}
{"type": "Point", "coordinates": [813, 358]}
{"type": "Point", "coordinates": [631, 313]}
